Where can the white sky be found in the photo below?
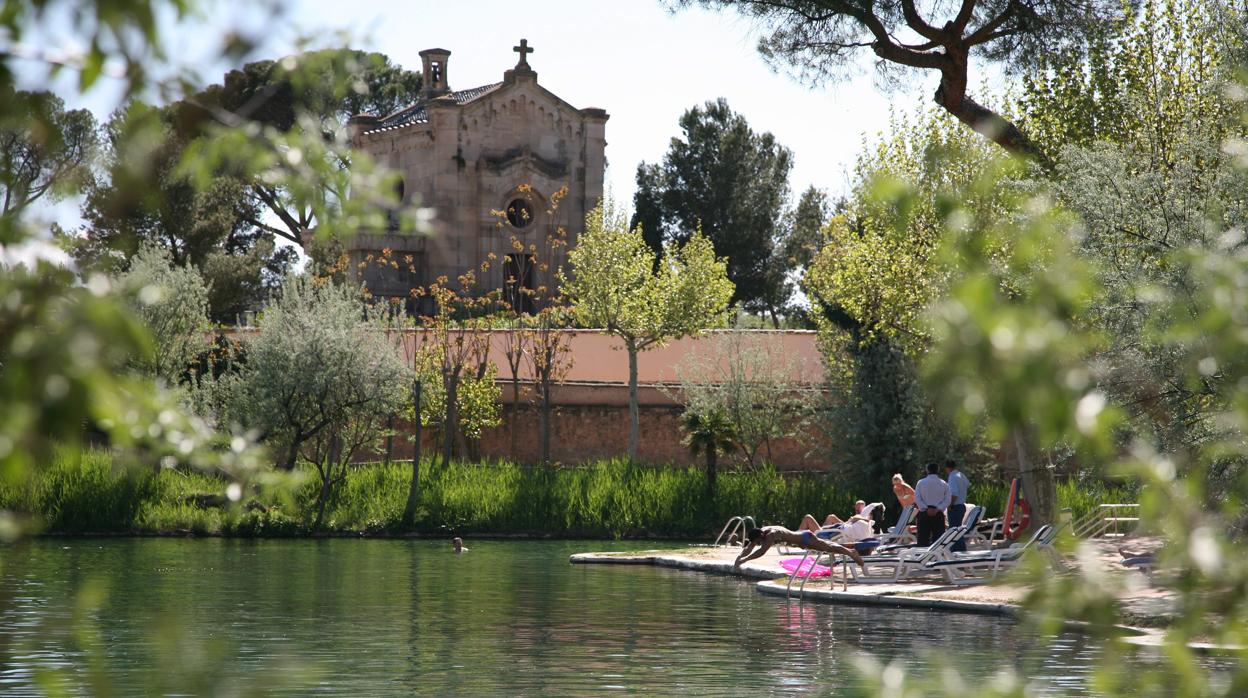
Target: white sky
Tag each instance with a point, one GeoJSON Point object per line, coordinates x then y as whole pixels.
{"type": "Point", "coordinates": [634, 58]}
{"type": "Point", "coordinates": [642, 64]}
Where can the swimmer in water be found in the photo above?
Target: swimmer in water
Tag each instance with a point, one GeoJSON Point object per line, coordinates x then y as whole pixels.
{"type": "Point", "coordinates": [458, 544]}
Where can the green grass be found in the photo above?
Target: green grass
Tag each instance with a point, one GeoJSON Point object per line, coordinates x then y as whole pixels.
{"type": "Point", "coordinates": [86, 493]}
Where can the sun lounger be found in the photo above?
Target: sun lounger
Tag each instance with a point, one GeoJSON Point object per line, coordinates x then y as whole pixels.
{"type": "Point", "coordinates": [912, 561]}
{"type": "Point", "coordinates": [983, 566]}
{"type": "Point", "coordinates": [974, 515]}
{"type": "Point", "coordinates": [879, 569]}
{"type": "Point", "coordinates": [900, 533]}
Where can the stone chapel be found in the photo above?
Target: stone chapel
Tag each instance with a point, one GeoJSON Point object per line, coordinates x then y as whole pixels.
{"type": "Point", "coordinates": [468, 154]}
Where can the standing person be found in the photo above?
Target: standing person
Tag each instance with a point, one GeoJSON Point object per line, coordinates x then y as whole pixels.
{"type": "Point", "coordinates": [931, 497]}
{"type": "Point", "coordinates": [958, 488]}
{"type": "Point", "coordinates": [904, 492]}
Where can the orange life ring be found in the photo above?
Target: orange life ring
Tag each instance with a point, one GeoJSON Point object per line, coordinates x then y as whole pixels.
{"type": "Point", "coordinates": [1012, 529]}
{"type": "Point", "coordinates": [1009, 507]}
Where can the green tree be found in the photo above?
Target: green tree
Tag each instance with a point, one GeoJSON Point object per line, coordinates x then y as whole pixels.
{"type": "Point", "coordinates": [873, 278]}
{"type": "Point", "coordinates": [709, 433]}
{"type": "Point", "coordinates": [476, 398]}
{"type": "Point", "coordinates": [1140, 126]}
{"type": "Point", "coordinates": [313, 94]}
{"type": "Point", "coordinates": [819, 38]}
{"type": "Point", "coordinates": [456, 349]}
{"type": "Point", "coordinates": [803, 237]}
{"type": "Point", "coordinates": [44, 148]}
{"type": "Point", "coordinates": [1151, 79]}
{"type": "Point", "coordinates": [145, 200]}
{"type": "Point", "coordinates": [729, 182]}
{"type": "Point", "coordinates": [752, 384]}
{"type": "Point", "coordinates": [318, 379]}
{"type": "Point", "coordinates": [172, 304]}
{"type": "Point", "coordinates": [613, 284]}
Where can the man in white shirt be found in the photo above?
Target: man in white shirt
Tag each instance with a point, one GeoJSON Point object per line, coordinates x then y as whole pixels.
{"type": "Point", "coordinates": [931, 498]}
{"type": "Point", "coordinates": [958, 487]}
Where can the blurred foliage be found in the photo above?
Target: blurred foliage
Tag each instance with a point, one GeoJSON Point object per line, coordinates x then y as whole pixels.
{"type": "Point", "coordinates": [1012, 348]}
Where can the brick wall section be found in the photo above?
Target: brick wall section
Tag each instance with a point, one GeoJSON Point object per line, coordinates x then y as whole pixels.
{"type": "Point", "coordinates": [584, 428]}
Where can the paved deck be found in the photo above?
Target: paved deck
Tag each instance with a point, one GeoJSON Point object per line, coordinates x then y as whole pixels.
{"type": "Point", "coordinates": [1143, 605]}
{"type": "Point", "coordinates": [996, 598]}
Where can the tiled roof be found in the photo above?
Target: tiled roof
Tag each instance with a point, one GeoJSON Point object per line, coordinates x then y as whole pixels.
{"type": "Point", "coordinates": [416, 113]}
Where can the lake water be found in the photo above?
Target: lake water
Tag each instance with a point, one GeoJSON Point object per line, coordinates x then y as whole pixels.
{"type": "Point", "coordinates": [390, 617]}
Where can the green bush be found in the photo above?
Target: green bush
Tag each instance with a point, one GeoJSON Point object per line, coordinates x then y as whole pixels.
{"type": "Point", "coordinates": [83, 492]}
{"type": "Point", "coordinates": [609, 498]}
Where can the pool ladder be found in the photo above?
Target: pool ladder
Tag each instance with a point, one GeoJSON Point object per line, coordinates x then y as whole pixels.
{"type": "Point", "coordinates": [801, 589]}
{"type": "Point", "coordinates": [736, 524]}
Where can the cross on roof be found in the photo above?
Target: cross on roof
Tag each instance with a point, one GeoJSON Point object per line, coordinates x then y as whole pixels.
{"type": "Point", "coordinates": [523, 49]}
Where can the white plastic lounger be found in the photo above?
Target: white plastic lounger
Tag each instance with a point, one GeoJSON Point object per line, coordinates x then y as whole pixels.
{"type": "Point", "coordinates": [900, 533]}
{"type": "Point", "coordinates": [905, 562]}
{"type": "Point", "coordinates": [980, 567]}
{"type": "Point", "coordinates": [974, 515]}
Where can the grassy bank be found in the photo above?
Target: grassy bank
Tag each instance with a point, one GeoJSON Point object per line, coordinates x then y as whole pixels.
{"type": "Point", "coordinates": [603, 499]}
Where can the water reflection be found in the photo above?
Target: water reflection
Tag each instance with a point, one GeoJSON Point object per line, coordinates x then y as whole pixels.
{"type": "Point", "coordinates": [402, 617]}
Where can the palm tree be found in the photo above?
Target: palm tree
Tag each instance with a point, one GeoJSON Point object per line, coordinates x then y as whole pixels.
{"type": "Point", "coordinates": [710, 433]}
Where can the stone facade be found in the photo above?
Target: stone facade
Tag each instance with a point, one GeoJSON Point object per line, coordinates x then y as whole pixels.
{"type": "Point", "coordinates": [487, 160]}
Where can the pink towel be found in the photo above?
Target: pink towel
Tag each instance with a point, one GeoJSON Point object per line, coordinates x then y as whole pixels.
{"type": "Point", "coordinates": [792, 564]}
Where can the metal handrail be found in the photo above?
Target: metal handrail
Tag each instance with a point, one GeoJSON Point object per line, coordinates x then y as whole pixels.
{"type": "Point", "coordinates": [801, 589]}
{"type": "Point", "coordinates": [740, 525]}
{"type": "Point", "coordinates": [1099, 520]}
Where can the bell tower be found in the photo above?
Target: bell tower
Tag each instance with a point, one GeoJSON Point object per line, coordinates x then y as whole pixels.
{"type": "Point", "coordinates": [435, 83]}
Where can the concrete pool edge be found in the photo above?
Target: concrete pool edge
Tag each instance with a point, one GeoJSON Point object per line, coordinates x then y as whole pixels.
{"type": "Point", "coordinates": [773, 581]}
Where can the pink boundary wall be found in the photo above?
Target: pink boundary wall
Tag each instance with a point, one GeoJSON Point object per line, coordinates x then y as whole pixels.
{"type": "Point", "coordinates": [590, 414]}
{"type": "Point", "coordinates": [600, 358]}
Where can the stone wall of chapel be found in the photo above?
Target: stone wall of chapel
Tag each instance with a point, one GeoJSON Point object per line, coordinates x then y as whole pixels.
{"type": "Point", "coordinates": [469, 159]}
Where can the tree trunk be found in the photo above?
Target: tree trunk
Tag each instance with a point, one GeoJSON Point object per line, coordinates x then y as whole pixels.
{"type": "Point", "coordinates": [413, 488]}
{"type": "Point", "coordinates": [711, 457]}
{"type": "Point", "coordinates": [633, 417]}
{"type": "Point", "coordinates": [449, 426]}
{"type": "Point", "coordinates": [543, 426]}
{"type": "Point", "coordinates": [389, 438]}
{"type": "Point", "coordinates": [291, 456]}
{"type": "Point", "coordinates": [951, 95]}
{"type": "Point", "coordinates": [1036, 479]}
{"type": "Point", "coordinates": [327, 477]}
{"type": "Point", "coordinates": [515, 412]}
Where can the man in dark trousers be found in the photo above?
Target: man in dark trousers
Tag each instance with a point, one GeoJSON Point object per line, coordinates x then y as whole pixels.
{"type": "Point", "coordinates": [931, 498]}
{"type": "Point", "coordinates": [958, 487]}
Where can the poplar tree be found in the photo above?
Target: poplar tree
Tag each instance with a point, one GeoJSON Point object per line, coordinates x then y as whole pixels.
{"type": "Point", "coordinates": [617, 285]}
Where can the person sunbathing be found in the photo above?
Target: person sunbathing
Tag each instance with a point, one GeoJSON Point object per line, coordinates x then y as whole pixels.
{"type": "Point", "coordinates": [760, 540]}
{"type": "Point", "coordinates": [855, 528]}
